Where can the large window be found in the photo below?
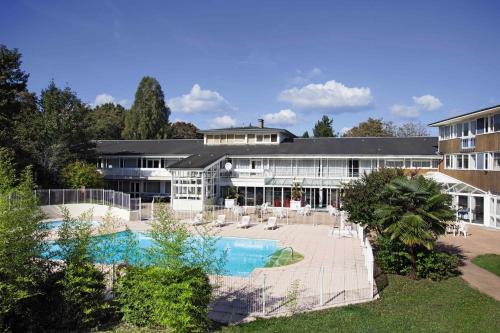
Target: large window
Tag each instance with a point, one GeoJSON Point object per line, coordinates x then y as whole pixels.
{"type": "Point", "coordinates": [496, 122]}
{"type": "Point", "coordinates": [353, 168]}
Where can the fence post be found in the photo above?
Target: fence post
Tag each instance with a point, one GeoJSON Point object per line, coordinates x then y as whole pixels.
{"type": "Point", "coordinates": [264, 296]}
{"type": "Point", "coordinates": [113, 193]}
{"type": "Point", "coordinates": [321, 274]}
{"type": "Point", "coordinates": [63, 197]}
{"type": "Point", "coordinates": [49, 197]}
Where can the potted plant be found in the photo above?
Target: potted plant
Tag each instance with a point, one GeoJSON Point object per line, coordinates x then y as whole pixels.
{"type": "Point", "coordinates": [231, 197]}
{"type": "Point", "coordinates": [296, 201]}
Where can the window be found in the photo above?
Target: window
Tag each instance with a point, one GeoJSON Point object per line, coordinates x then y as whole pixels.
{"type": "Point", "coordinates": [466, 161]}
{"type": "Point", "coordinates": [480, 161]}
{"type": "Point", "coordinates": [447, 164]}
{"type": "Point", "coordinates": [422, 164]}
{"type": "Point", "coordinates": [459, 130]}
{"type": "Point", "coordinates": [259, 138]}
{"type": "Point", "coordinates": [459, 161]}
{"type": "Point", "coordinates": [256, 164]}
{"type": "Point", "coordinates": [274, 137]}
{"type": "Point", "coordinates": [353, 168]}
{"type": "Point", "coordinates": [239, 138]}
{"type": "Point", "coordinates": [394, 164]}
{"type": "Point", "coordinates": [496, 161]}
{"type": "Point", "coordinates": [481, 125]}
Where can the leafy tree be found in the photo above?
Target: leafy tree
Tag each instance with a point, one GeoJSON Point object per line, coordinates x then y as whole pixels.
{"type": "Point", "coordinates": [148, 117]}
{"type": "Point", "coordinates": [411, 129]}
{"type": "Point", "coordinates": [108, 121]}
{"type": "Point", "coordinates": [305, 135]}
{"type": "Point", "coordinates": [183, 130]}
{"type": "Point", "coordinates": [371, 128]}
{"type": "Point", "coordinates": [361, 197]}
{"type": "Point", "coordinates": [414, 212]}
{"type": "Point", "coordinates": [323, 128]}
{"type": "Point", "coordinates": [21, 243]}
{"type": "Point", "coordinates": [81, 174]}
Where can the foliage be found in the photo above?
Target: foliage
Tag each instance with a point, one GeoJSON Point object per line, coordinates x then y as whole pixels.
{"type": "Point", "coordinates": [21, 241]}
{"type": "Point", "coordinates": [305, 135]}
{"type": "Point", "coordinates": [436, 265]}
{"type": "Point", "coordinates": [413, 211]}
{"type": "Point", "coordinates": [108, 121]}
{"type": "Point", "coordinates": [371, 127]}
{"type": "Point", "coordinates": [296, 191]}
{"type": "Point", "coordinates": [391, 256]}
{"type": "Point", "coordinates": [232, 192]}
{"type": "Point", "coordinates": [74, 237]}
{"type": "Point", "coordinates": [80, 174]}
{"type": "Point", "coordinates": [323, 128]}
{"type": "Point", "coordinates": [163, 297]}
{"type": "Point", "coordinates": [183, 130]}
{"type": "Point", "coordinates": [148, 117]}
{"type": "Point", "coordinates": [490, 262]}
{"type": "Point", "coordinates": [292, 297]}
{"type": "Point", "coordinates": [404, 306]}
{"type": "Point", "coordinates": [411, 129]}
{"type": "Point", "coordinates": [361, 197]}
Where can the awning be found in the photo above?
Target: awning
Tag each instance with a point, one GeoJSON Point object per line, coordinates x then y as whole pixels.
{"type": "Point", "coordinates": [453, 185]}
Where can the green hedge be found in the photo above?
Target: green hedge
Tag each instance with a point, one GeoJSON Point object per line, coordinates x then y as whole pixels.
{"type": "Point", "coordinates": [166, 298]}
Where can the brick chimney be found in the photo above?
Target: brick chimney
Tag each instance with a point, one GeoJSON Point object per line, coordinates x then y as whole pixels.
{"type": "Point", "coordinates": [261, 123]}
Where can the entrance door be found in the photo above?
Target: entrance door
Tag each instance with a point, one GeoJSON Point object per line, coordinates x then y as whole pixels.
{"type": "Point", "coordinates": [135, 189]}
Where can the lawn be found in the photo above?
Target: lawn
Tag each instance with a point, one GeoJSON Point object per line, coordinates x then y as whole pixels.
{"type": "Point", "coordinates": [490, 262]}
{"type": "Point", "coordinates": [284, 257]}
{"type": "Point", "coordinates": [404, 306]}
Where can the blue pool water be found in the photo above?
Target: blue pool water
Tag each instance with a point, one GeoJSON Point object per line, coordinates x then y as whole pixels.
{"type": "Point", "coordinates": [243, 255]}
{"type": "Point", "coordinates": [56, 224]}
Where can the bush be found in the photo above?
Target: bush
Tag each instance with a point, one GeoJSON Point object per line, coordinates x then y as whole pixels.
{"type": "Point", "coordinates": [81, 174]}
{"type": "Point", "coordinates": [392, 257]}
{"type": "Point", "coordinates": [177, 299]}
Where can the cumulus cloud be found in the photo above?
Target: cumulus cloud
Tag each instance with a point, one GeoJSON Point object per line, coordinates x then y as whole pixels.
{"type": "Point", "coordinates": [283, 117]}
{"type": "Point", "coordinates": [107, 98]}
{"type": "Point", "coordinates": [427, 102]}
{"type": "Point", "coordinates": [345, 129]}
{"type": "Point", "coordinates": [199, 100]}
{"type": "Point", "coordinates": [330, 95]}
{"type": "Point", "coordinates": [222, 121]}
{"type": "Point", "coordinates": [421, 103]}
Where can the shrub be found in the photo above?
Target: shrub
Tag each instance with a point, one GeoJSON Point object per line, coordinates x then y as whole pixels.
{"type": "Point", "coordinates": [81, 174]}
{"type": "Point", "coordinates": [177, 299]}
{"type": "Point", "coordinates": [436, 265]}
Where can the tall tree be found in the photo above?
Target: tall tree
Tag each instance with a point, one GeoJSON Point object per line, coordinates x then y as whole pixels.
{"type": "Point", "coordinates": [148, 117]}
{"type": "Point", "coordinates": [305, 135]}
{"type": "Point", "coordinates": [60, 133]}
{"type": "Point", "coordinates": [371, 127]}
{"type": "Point", "coordinates": [108, 121]}
{"type": "Point", "coordinates": [183, 130]}
{"type": "Point", "coordinates": [323, 128]}
{"type": "Point", "coordinates": [411, 129]}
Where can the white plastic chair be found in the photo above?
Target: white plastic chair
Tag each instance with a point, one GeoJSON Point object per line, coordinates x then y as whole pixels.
{"type": "Point", "coordinates": [198, 219]}
{"type": "Point", "coordinates": [245, 222]}
{"type": "Point", "coordinates": [463, 229]}
{"type": "Point", "coordinates": [220, 221]}
{"type": "Point", "coordinates": [271, 223]}
{"type": "Point", "coordinates": [278, 212]}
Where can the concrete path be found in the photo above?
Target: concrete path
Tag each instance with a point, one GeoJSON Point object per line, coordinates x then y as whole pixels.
{"type": "Point", "coordinates": [480, 240]}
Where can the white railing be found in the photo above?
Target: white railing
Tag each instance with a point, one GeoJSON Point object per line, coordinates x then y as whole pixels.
{"type": "Point", "coordinates": [88, 196]}
{"type": "Point", "coordinates": [134, 172]}
{"type": "Point", "coordinates": [367, 252]}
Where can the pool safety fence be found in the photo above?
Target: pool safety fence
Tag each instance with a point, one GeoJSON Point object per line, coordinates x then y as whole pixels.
{"type": "Point", "coordinates": [88, 196]}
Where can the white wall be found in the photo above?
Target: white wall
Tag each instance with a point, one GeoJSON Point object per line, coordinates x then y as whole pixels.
{"type": "Point", "coordinates": [98, 211]}
{"type": "Point", "coordinates": [187, 205]}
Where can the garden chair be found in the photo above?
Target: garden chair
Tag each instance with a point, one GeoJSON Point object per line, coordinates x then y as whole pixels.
{"type": "Point", "coordinates": [463, 229]}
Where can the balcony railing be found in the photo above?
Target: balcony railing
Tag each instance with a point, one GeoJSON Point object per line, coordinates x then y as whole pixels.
{"type": "Point", "coordinates": [134, 173]}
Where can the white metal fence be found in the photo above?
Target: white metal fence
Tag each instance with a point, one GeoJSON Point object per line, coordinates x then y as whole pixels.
{"type": "Point", "coordinates": [88, 196]}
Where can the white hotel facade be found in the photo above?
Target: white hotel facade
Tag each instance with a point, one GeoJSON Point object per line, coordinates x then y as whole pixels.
{"type": "Point", "coordinates": [263, 163]}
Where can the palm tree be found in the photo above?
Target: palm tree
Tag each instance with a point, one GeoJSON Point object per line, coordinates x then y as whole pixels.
{"type": "Point", "coordinates": [414, 212]}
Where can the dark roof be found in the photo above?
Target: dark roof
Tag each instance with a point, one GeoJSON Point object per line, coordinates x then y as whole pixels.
{"type": "Point", "coordinates": [149, 147]}
{"type": "Point", "coordinates": [464, 115]}
{"type": "Point", "coordinates": [247, 129]}
{"type": "Point", "coordinates": [409, 146]}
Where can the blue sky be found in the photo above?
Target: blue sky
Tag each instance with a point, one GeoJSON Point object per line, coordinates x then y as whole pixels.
{"type": "Point", "coordinates": [230, 62]}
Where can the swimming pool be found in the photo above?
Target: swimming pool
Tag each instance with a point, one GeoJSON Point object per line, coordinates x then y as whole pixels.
{"type": "Point", "coordinates": [56, 224]}
{"type": "Point", "coordinates": [243, 255]}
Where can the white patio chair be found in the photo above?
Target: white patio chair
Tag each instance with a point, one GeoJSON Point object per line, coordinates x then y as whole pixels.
{"type": "Point", "coordinates": [244, 222]}
{"type": "Point", "coordinates": [307, 210]}
{"type": "Point", "coordinates": [463, 229]}
{"type": "Point", "coordinates": [279, 212]}
{"type": "Point", "coordinates": [220, 221]}
{"type": "Point", "coordinates": [271, 223]}
{"type": "Point", "coordinates": [198, 219]}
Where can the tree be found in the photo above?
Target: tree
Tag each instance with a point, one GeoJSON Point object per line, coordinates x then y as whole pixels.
{"type": "Point", "coordinates": [305, 135]}
{"type": "Point", "coordinates": [371, 127]}
{"type": "Point", "coordinates": [21, 244]}
{"type": "Point", "coordinates": [411, 129]}
{"type": "Point", "coordinates": [108, 121]}
{"type": "Point", "coordinates": [361, 197]}
{"type": "Point", "coordinates": [60, 133]}
{"type": "Point", "coordinates": [414, 212]}
{"type": "Point", "coordinates": [81, 174]}
{"type": "Point", "coordinates": [183, 130]}
{"type": "Point", "coordinates": [323, 128]}
{"type": "Point", "coordinates": [148, 117]}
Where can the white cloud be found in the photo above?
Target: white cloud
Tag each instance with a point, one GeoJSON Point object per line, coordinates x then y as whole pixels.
{"type": "Point", "coordinates": [305, 78]}
{"type": "Point", "coordinates": [222, 122]}
{"type": "Point", "coordinates": [107, 98]}
{"type": "Point", "coordinates": [405, 111]}
{"type": "Point", "coordinates": [422, 103]}
{"type": "Point", "coordinates": [344, 130]}
{"type": "Point", "coordinates": [330, 95]}
{"type": "Point", "coordinates": [427, 102]}
{"type": "Point", "coordinates": [283, 117]}
{"type": "Point", "coordinates": [199, 100]}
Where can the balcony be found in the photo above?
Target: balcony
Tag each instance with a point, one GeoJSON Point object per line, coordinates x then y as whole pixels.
{"type": "Point", "coordinates": [135, 173]}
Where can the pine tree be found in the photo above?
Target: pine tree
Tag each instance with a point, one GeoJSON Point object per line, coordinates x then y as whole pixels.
{"type": "Point", "coordinates": [323, 128]}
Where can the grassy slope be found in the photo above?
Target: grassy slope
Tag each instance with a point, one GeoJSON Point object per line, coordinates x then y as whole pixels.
{"type": "Point", "coordinates": [284, 257]}
{"type": "Point", "coordinates": [490, 262]}
{"type": "Point", "coordinates": [404, 306]}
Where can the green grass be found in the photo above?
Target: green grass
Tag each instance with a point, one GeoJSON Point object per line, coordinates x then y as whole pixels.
{"type": "Point", "coordinates": [404, 306]}
{"type": "Point", "coordinates": [284, 257]}
{"type": "Point", "coordinates": [490, 262]}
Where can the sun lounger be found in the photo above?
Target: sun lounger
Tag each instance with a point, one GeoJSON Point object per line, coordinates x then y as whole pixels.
{"type": "Point", "coordinates": [198, 219]}
{"type": "Point", "coordinates": [220, 221]}
{"type": "Point", "coordinates": [271, 223]}
{"type": "Point", "coordinates": [244, 222]}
